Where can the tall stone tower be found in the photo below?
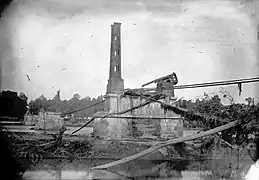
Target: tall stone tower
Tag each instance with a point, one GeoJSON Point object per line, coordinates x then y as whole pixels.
{"type": "Point", "coordinates": [115, 82]}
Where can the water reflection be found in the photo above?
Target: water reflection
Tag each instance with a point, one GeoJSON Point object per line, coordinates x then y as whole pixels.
{"type": "Point", "coordinates": [142, 169]}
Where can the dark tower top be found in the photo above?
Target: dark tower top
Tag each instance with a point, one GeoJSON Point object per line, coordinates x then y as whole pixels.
{"type": "Point", "coordinates": [115, 82]}
{"type": "Point", "coordinates": [58, 95]}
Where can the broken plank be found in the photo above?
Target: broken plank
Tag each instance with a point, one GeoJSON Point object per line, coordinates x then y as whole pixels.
{"type": "Point", "coordinates": [167, 143]}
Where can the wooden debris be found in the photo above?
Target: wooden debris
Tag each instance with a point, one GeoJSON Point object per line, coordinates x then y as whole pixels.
{"type": "Point", "coordinates": [167, 143]}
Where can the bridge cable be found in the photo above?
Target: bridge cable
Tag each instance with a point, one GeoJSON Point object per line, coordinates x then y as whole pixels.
{"type": "Point", "coordinates": [70, 112]}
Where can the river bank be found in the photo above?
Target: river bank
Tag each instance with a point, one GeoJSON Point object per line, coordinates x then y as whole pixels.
{"type": "Point", "coordinates": [43, 146]}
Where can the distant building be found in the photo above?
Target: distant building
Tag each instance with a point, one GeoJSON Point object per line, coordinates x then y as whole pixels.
{"type": "Point", "coordinates": [49, 121]}
{"type": "Point", "coordinates": [45, 120]}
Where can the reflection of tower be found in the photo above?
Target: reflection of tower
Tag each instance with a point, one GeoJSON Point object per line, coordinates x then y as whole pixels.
{"type": "Point", "coordinates": [115, 82]}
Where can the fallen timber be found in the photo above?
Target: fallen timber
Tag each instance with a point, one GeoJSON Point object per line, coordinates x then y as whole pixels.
{"type": "Point", "coordinates": [167, 143]}
{"type": "Point", "coordinates": [157, 146]}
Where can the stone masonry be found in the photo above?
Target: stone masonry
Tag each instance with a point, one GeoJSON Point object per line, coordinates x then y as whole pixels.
{"type": "Point", "coordinates": [148, 122]}
{"type": "Point", "coordinates": [151, 121]}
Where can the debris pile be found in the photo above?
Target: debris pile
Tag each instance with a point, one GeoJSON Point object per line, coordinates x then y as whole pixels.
{"type": "Point", "coordinates": [38, 149]}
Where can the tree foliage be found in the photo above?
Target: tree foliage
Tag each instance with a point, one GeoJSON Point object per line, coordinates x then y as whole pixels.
{"type": "Point", "coordinates": [209, 113]}
{"type": "Point", "coordinates": [65, 106]}
{"type": "Point", "coordinates": [13, 105]}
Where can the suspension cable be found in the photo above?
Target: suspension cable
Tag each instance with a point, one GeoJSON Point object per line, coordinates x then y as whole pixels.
{"type": "Point", "coordinates": [216, 83]}
{"type": "Point", "coordinates": [70, 112]}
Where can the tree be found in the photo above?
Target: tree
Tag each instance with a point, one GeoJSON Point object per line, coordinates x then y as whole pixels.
{"type": "Point", "coordinates": [23, 97]}
{"type": "Point", "coordinates": [66, 106]}
{"type": "Point", "coordinates": [216, 114]}
{"type": "Point", "coordinates": [42, 98]}
{"type": "Point", "coordinates": [33, 109]}
{"type": "Point", "coordinates": [249, 101]}
{"type": "Point", "coordinates": [227, 95]}
{"type": "Point", "coordinates": [13, 105]}
{"type": "Point", "coordinates": [76, 96]}
{"type": "Point", "coordinates": [38, 103]}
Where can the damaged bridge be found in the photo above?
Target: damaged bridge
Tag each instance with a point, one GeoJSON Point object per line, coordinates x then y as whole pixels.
{"type": "Point", "coordinates": [145, 113]}
{"type": "Point", "coordinates": [149, 120]}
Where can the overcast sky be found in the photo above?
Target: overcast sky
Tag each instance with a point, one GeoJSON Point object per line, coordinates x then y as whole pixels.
{"type": "Point", "coordinates": [64, 44]}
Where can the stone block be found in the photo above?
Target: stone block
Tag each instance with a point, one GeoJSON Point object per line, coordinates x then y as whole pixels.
{"type": "Point", "coordinates": [110, 128]}
{"type": "Point", "coordinates": [49, 121]}
{"type": "Point", "coordinates": [120, 128]}
{"type": "Point", "coordinates": [100, 128]}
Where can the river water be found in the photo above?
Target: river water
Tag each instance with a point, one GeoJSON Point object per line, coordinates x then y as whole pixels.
{"type": "Point", "coordinates": [140, 169]}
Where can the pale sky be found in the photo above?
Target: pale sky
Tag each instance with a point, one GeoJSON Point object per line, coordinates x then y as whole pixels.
{"type": "Point", "coordinates": [65, 44]}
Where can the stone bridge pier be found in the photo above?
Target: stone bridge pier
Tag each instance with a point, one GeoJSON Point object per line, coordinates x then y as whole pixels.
{"type": "Point", "coordinates": [148, 122]}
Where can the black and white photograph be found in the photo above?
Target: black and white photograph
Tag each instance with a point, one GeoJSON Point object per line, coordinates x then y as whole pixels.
{"type": "Point", "coordinates": [129, 89]}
